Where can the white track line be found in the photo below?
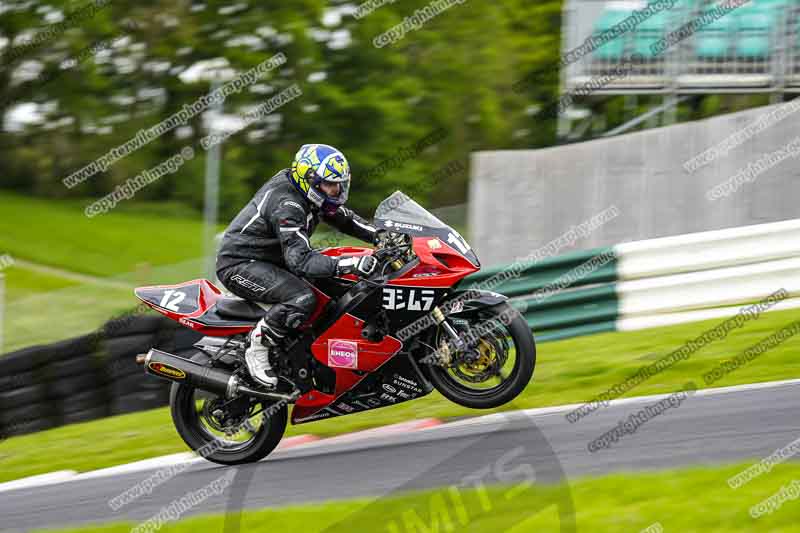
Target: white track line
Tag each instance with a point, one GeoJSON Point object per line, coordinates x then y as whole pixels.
{"type": "Point", "coordinates": [41, 480]}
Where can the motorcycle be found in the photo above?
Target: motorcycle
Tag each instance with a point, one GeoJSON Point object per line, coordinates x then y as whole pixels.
{"type": "Point", "coordinates": [371, 342]}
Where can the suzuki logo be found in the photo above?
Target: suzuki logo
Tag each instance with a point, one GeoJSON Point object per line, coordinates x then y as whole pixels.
{"type": "Point", "coordinates": [402, 225]}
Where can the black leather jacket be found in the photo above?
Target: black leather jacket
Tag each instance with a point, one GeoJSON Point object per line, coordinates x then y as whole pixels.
{"type": "Point", "coordinates": [275, 227]}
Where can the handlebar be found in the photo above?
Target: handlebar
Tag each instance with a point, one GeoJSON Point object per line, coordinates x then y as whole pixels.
{"type": "Point", "coordinates": [388, 250]}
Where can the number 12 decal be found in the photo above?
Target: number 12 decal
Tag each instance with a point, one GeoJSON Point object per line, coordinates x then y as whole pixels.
{"type": "Point", "coordinates": [172, 305]}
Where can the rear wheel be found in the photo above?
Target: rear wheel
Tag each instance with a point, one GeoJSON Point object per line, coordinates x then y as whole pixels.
{"type": "Point", "coordinates": [496, 368]}
{"type": "Point", "coordinates": [229, 432]}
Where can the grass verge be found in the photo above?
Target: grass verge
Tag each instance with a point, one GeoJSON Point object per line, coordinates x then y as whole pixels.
{"type": "Point", "coordinates": [57, 233]}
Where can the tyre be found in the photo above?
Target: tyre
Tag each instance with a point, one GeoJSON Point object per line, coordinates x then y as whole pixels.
{"type": "Point", "coordinates": [23, 360]}
{"type": "Point", "coordinates": [134, 324]}
{"type": "Point", "coordinates": [82, 365]}
{"type": "Point", "coordinates": [86, 415]}
{"type": "Point", "coordinates": [139, 401]}
{"type": "Point", "coordinates": [89, 399]}
{"type": "Point", "coordinates": [25, 395]}
{"type": "Point", "coordinates": [128, 346]}
{"type": "Point", "coordinates": [19, 380]}
{"type": "Point", "coordinates": [31, 426]}
{"type": "Point", "coordinates": [63, 387]}
{"type": "Point", "coordinates": [120, 367]}
{"type": "Point", "coordinates": [69, 348]}
{"type": "Point", "coordinates": [253, 433]}
{"type": "Point", "coordinates": [25, 413]}
{"type": "Point", "coordinates": [138, 382]}
{"type": "Point", "coordinates": [471, 385]}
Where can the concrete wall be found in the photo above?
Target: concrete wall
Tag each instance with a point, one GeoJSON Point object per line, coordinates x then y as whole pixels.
{"type": "Point", "coordinates": [523, 199]}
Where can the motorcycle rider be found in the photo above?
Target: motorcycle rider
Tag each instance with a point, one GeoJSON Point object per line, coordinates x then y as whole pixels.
{"type": "Point", "coordinates": [266, 249]}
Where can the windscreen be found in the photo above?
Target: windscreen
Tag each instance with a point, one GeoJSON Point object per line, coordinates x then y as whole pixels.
{"type": "Point", "coordinates": [400, 207]}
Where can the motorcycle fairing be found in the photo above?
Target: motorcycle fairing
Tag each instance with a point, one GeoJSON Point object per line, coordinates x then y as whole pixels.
{"type": "Point", "coordinates": [398, 380]}
{"type": "Point", "coordinates": [409, 295]}
{"type": "Point", "coordinates": [192, 304]}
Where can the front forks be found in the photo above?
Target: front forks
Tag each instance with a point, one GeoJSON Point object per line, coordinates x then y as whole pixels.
{"type": "Point", "coordinates": [443, 355]}
{"type": "Point", "coordinates": [441, 320]}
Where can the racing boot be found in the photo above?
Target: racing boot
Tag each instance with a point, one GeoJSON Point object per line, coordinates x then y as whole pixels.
{"type": "Point", "coordinates": [264, 339]}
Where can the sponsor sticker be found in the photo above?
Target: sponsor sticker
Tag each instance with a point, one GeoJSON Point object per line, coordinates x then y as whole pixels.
{"type": "Point", "coordinates": [246, 283]}
{"type": "Point", "coordinates": [293, 204]}
{"type": "Point", "coordinates": [188, 323]}
{"type": "Point", "coordinates": [342, 354]}
{"type": "Point", "coordinates": [344, 407]}
{"type": "Point", "coordinates": [167, 370]}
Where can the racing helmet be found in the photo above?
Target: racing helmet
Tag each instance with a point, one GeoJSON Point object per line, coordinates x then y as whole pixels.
{"type": "Point", "coordinates": [315, 163]}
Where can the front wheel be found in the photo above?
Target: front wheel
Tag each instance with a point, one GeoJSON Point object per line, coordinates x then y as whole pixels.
{"type": "Point", "coordinates": [228, 432]}
{"type": "Point", "coordinates": [498, 365]}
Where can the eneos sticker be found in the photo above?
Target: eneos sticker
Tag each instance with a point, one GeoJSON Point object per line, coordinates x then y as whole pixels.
{"type": "Point", "coordinates": [342, 354]}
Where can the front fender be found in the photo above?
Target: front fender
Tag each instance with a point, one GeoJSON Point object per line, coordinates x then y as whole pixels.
{"type": "Point", "coordinates": [469, 300]}
{"type": "Point", "coordinates": [458, 303]}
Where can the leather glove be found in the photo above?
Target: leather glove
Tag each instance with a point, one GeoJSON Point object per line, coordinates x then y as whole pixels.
{"type": "Point", "coordinates": [361, 266]}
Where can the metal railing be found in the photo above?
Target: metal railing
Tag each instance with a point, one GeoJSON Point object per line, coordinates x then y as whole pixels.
{"type": "Point", "coordinates": [759, 52]}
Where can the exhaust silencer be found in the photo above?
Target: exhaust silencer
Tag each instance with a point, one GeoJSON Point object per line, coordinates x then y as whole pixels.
{"type": "Point", "coordinates": [216, 380]}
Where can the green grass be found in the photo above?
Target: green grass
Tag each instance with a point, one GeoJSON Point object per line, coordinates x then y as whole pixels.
{"type": "Point", "coordinates": [567, 371]}
{"type": "Point", "coordinates": [22, 283]}
{"type": "Point", "coordinates": [57, 233]}
{"type": "Point", "coordinates": [42, 308]}
{"type": "Point", "coordinates": [683, 500]}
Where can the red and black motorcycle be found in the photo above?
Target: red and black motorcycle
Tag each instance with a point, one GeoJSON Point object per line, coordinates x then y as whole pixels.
{"type": "Point", "coordinates": [371, 342]}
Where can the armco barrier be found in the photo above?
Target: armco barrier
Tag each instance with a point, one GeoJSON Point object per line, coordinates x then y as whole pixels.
{"type": "Point", "coordinates": [562, 296]}
{"type": "Point", "coordinates": [538, 275]}
{"type": "Point", "coordinates": [88, 377]}
{"type": "Point", "coordinates": [706, 275]}
{"type": "Point", "coordinates": [655, 282]}
{"type": "Point", "coordinates": [709, 250]}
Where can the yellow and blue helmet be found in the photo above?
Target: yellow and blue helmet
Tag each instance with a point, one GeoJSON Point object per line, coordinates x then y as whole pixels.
{"type": "Point", "coordinates": [315, 163]}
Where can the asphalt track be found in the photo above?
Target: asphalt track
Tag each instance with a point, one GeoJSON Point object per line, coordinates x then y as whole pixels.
{"type": "Point", "coordinates": [711, 427]}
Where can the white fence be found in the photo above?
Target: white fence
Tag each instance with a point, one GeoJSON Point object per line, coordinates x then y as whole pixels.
{"type": "Point", "coordinates": [706, 275]}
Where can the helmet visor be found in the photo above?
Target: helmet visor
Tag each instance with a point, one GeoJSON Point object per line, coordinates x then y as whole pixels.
{"type": "Point", "coordinates": [336, 190]}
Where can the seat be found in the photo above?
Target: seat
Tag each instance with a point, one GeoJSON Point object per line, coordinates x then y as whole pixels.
{"type": "Point", "coordinates": [239, 308]}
